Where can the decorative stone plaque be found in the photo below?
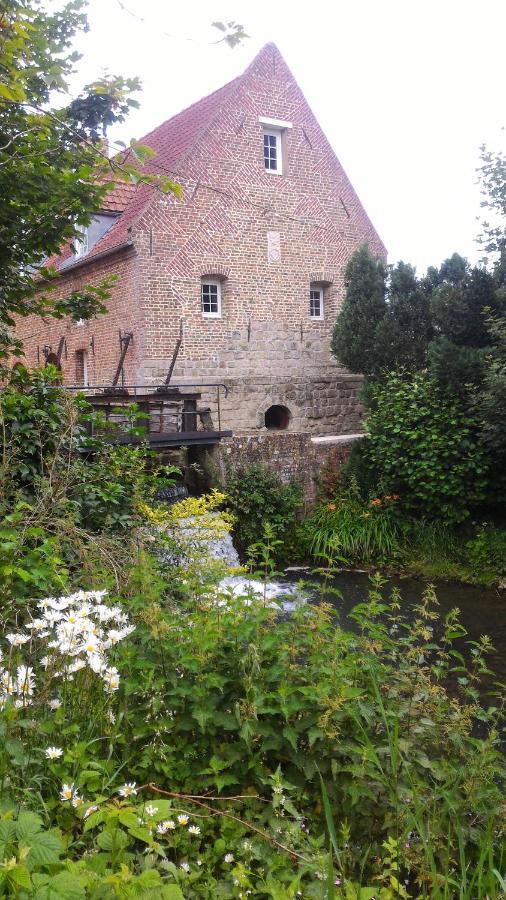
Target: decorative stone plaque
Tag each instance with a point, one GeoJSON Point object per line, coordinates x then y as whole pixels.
{"type": "Point", "coordinates": [273, 247]}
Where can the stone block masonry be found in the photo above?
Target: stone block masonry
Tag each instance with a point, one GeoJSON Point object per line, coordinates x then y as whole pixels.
{"type": "Point", "coordinates": [293, 456]}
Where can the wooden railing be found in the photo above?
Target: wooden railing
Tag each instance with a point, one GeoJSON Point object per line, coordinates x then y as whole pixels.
{"type": "Point", "coordinates": [170, 415]}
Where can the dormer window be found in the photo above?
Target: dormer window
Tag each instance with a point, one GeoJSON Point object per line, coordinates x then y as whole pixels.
{"type": "Point", "coordinates": [81, 243]}
{"type": "Point", "coordinates": [274, 137]}
{"type": "Point", "coordinates": [89, 235]}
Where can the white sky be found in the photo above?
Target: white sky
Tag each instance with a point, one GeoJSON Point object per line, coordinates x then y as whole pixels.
{"type": "Point", "coordinates": [406, 91]}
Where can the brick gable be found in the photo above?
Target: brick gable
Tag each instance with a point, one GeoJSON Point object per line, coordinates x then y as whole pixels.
{"type": "Point", "coordinates": [266, 236]}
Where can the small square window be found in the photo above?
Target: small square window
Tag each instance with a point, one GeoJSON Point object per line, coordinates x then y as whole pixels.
{"type": "Point", "coordinates": [211, 299]}
{"type": "Point", "coordinates": [272, 152]}
{"type": "Point", "coordinates": [316, 303]}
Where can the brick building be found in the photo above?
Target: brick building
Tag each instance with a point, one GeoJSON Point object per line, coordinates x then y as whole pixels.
{"type": "Point", "coordinates": [246, 267]}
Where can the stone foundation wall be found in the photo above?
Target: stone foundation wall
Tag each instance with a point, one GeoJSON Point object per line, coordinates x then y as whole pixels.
{"type": "Point", "coordinates": [323, 404]}
{"type": "Point", "coordinates": [294, 457]}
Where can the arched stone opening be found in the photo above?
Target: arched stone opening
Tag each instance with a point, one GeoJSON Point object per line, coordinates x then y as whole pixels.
{"type": "Point", "coordinates": [277, 418]}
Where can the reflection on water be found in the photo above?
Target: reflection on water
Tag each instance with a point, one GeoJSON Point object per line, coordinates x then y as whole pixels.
{"type": "Point", "coordinates": [482, 610]}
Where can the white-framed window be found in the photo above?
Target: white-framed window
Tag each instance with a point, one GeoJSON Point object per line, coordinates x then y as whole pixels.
{"type": "Point", "coordinates": [273, 154]}
{"type": "Point", "coordinates": [211, 298]}
{"type": "Point", "coordinates": [82, 377]}
{"type": "Point", "coordinates": [81, 243]}
{"type": "Point", "coordinates": [316, 301]}
{"type": "Point", "coordinates": [274, 136]}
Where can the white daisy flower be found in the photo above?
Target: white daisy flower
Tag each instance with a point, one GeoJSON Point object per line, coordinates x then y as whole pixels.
{"type": "Point", "coordinates": [185, 866]}
{"type": "Point", "coordinates": [17, 640]}
{"type": "Point", "coordinates": [167, 825]}
{"type": "Point", "coordinates": [229, 857]}
{"type": "Point", "coordinates": [183, 819]}
{"type": "Point", "coordinates": [151, 810]}
{"type": "Point", "coordinates": [128, 790]}
{"type": "Point", "coordinates": [24, 681]}
{"type": "Point", "coordinates": [55, 703]}
{"type": "Point", "coordinates": [67, 792]}
{"type": "Point", "coordinates": [77, 801]}
{"type": "Point", "coordinates": [194, 829]}
{"type": "Point", "coordinates": [53, 752]}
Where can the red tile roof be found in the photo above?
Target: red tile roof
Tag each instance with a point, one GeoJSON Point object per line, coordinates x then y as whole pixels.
{"type": "Point", "coordinates": [171, 141]}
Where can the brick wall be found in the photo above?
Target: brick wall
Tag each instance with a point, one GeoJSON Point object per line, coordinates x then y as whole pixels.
{"type": "Point", "coordinates": [266, 238]}
{"type": "Point", "coordinates": [294, 457]}
{"type": "Point", "coordinates": [98, 338]}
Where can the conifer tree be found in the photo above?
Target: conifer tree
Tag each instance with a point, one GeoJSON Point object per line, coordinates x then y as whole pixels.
{"type": "Point", "coordinates": [354, 338]}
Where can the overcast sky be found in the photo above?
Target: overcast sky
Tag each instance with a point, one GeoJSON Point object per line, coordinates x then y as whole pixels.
{"type": "Point", "coordinates": [406, 91]}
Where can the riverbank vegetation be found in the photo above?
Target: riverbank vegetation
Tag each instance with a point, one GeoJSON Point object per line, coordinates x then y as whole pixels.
{"type": "Point", "coordinates": [425, 489]}
{"type": "Point", "coordinates": [162, 736]}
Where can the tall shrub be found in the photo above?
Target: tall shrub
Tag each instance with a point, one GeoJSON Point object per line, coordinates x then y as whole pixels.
{"type": "Point", "coordinates": [257, 496]}
{"type": "Point", "coordinates": [353, 340]}
{"type": "Point", "coordinates": [426, 447]}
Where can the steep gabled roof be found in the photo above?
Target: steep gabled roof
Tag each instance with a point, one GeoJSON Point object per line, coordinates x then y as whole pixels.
{"type": "Point", "coordinates": [171, 141]}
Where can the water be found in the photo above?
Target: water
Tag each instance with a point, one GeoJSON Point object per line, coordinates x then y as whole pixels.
{"type": "Point", "coordinates": [482, 610]}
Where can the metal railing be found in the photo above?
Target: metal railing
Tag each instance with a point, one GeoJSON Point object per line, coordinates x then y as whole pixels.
{"type": "Point", "coordinates": [170, 409]}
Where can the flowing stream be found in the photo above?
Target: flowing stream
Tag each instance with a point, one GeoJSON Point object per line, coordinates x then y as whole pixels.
{"type": "Point", "coordinates": [482, 610]}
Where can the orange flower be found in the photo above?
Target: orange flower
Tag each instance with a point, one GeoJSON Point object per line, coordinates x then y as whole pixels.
{"type": "Point", "coordinates": [331, 506]}
{"type": "Point", "coordinates": [376, 502]}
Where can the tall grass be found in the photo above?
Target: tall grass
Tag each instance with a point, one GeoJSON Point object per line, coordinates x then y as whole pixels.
{"type": "Point", "coordinates": [350, 531]}
{"type": "Point", "coordinates": [431, 851]}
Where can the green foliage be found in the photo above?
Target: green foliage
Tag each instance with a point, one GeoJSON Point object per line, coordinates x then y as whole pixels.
{"type": "Point", "coordinates": [493, 183]}
{"type": "Point", "coordinates": [487, 552]}
{"type": "Point", "coordinates": [405, 331]}
{"type": "Point", "coordinates": [257, 496]}
{"type": "Point", "coordinates": [425, 447]}
{"type": "Point", "coordinates": [349, 530]}
{"type": "Point", "coordinates": [353, 340]}
{"type": "Point", "coordinates": [39, 429]}
{"type": "Point", "coordinates": [223, 699]}
{"type": "Point", "coordinates": [436, 392]}
{"type": "Point", "coordinates": [457, 306]}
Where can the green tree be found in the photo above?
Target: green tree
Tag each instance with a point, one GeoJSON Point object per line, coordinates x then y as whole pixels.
{"type": "Point", "coordinates": [492, 173]}
{"type": "Point", "coordinates": [53, 168]}
{"type": "Point", "coordinates": [354, 337]}
{"type": "Point", "coordinates": [404, 333]}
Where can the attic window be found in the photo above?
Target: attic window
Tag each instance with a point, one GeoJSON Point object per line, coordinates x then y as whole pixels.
{"type": "Point", "coordinates": [89, 235]}
{"type": "Point", "coordinates": [274, 143]}
{"type": "Point", "coordinates": [273, 157]}
{"type": "Point", "coordinates": [81, 243]}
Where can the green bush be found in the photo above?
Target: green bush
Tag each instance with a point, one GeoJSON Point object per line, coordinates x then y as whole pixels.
{"type": "Point", "coordinates": [231, 707]}
{"type": "Point", "coordinates": [257, 496]}
{"type": "Point", "coordinates": [426, 448]}
{"type": "Point", "coordinates": [487, 552]}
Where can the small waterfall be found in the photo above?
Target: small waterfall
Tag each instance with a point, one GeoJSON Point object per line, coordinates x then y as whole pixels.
{"type": "Point", "coordinates": [197, 541]}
